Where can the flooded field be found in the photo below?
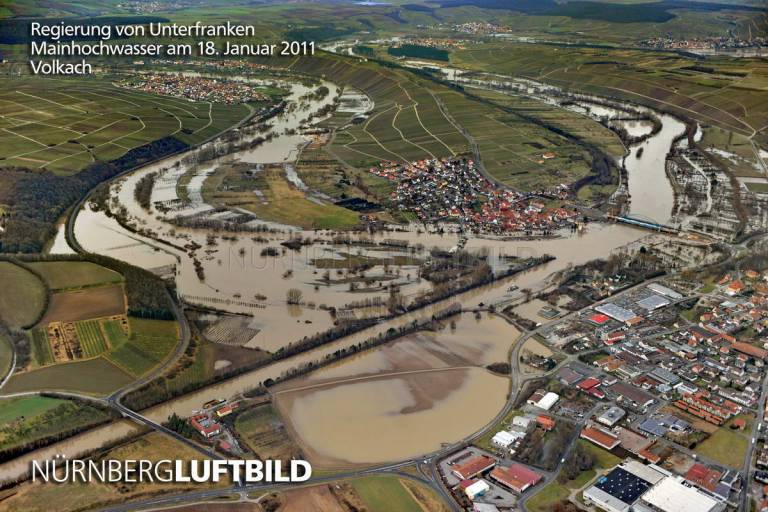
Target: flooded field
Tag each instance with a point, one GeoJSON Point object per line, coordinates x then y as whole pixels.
{"type": "Point", "coordinates": [413, 414]}
{"type": "Point", "coordinates": [426, 387]}
{"type": "Point", "coordinates": [428, 383]}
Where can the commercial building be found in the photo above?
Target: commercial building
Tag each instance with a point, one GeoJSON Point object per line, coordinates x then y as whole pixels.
{"type": "Point", "coordinates": [504, 439]}
{"type": "Point", "coordinates": [516, 477]}
{"type": "Point", "coordinates": [474, 488]}
{"type": "Point", "coordinates": [600, 437]}
{"type": "Point", "coordinates": [622, 487]}
{"type": "Point", "coordinates": [543, 400]}
{"type": "Point", "coordinates": [616, 312]}
{"type": "Point", "coordinates": [673, 494]}
{"type": "Point", "coordinates": [473, 467]}
{"type": "Point", "coordinates": [611, 416]}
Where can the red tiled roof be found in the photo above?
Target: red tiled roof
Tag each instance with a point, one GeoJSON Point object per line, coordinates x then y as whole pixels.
{"type": "Point", "coordinates": [600, 438]}
{"type": "Point", "coordinates": [588, 383]}
{"type": "Point", "coordinates": [516, 476]}
{"type": "Point", "coordinates": [474, 466]}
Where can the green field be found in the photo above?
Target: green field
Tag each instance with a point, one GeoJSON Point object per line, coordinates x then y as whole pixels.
{"type": "Point", "coordinates": [41, 349]}
{"type": "Point", "coordinates": [23, 296]}
{"type": "Point", "coordinates": [64, 125]}
{"type": "Point", "coordinates": [64, 275]}
{"type": "Point", "coordinates": [28, 419]}
{"type": "Point", "coordinates": [385, 494]}
{"type": "Point", "coordinates": [6, 356]}
{"type": "Point", "coordinates": [93, 376]}
{"type": "Point", "coordinates": [725, 447]}
{"type": "Point", "coordinates": [92, 340]}
{"type": "Point", "coordinates": [151, 341]}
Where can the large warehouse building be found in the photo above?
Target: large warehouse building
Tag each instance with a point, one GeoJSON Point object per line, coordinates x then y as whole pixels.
{"type": "Point", "coordinates": [635, 487]}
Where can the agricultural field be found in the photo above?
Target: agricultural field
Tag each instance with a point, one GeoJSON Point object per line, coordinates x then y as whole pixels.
{"type": "Point", "coordinates": [729, 94]}
{"type": "Point", "coordinates": [385, 493]}
{"type": "Point", "coordinates": [92, 341]}
{"type": "Point", "coordinates": [85, 304]}
{"type": "Point", "coordinates": [264, 433]}
{"type": "Point", "coordinates": [92, 376]}
{"type": "Point", "coordinates": [150, 342]}
{"type": "Point", "coordinates": [416, 118]}
{"type": "Point", "coordinates": [275, 193]}
{"type": "Point", "coordinates": [65, 125]}
{"type": "Point", "coordinates": [23, 297]}
{"type": "Point", "coordinates": [153, 446]}
{"type": "Point", "coordinates": [6, 356]}
{"type": "Point", "coordinates": [69, 275]}
{"type": "Point", "coordinates": [26, 420]}
{"type": "Point", "coordinates": [373, 494]}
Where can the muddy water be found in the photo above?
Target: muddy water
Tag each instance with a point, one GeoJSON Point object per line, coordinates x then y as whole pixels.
{"type": "Point", "coordinates": [99, 234]}
{"type": "Point", "coordinates": [649, 188]}
{"type": "Point", "coordinates": [463, 340]}
{"type": "Point", "coordinates": [412, 414]}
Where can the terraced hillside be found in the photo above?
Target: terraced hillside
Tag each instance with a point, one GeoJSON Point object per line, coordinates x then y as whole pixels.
{"type": "Point", "coordinates": [416, 118]}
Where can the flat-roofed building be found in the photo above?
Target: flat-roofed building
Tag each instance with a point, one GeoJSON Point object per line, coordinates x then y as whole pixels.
{"type": "Point", "coordinates": [673, 494]}
{"type": "Point", "coordinates": [616, 312]}
{"type": "Point", "coordinates": [611, 416]}
{"type": "Point", "coordinates": [664, 290]}
{"type": "Point", "coordinates": [618, 490]}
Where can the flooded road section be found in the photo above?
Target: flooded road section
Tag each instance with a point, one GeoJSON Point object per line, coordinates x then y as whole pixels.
{"type": "Point", "coordinates": [226, 278]}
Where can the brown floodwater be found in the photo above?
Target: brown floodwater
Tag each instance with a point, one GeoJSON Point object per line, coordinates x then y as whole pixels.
{"type": "Point", "coordinates": [433, 417]}
{"type": "Point", "coordinates": [412, 414]}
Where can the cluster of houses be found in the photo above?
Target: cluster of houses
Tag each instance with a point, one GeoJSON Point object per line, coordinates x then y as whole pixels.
{"type": "Point", "coordinates": [453, 189]}
{"type": "Point", "coordinates": [214, 90]}
{"type": "Point", "coordinates": [706, 43]}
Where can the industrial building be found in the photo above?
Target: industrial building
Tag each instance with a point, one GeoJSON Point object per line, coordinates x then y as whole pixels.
{"type": "Point", "coordinates": [632, 486]}
{"type": "Point", "coordinates": [673, 494]}
{"type": "Point", "coordinates": [516, 477]}
{"type": "Point", "coordinates": [622, 487]}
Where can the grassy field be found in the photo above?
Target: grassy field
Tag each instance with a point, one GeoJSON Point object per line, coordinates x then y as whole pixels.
{"type": "Point", "coordinates": [153, 446]}
{"type": "Point", "coordinates": [6, 356]}
{"type": "Point", "coordinates": [151, 341]}
{"type": "Point", "coordinates": [724, 446]}
{"type": "Point", "coordinates": [67, 275]}
{"type": "Point", "coordinates": [28, 419]}
{"type": "Point", "coordinates": [93, 376]}
{"type": "Point", "coordinates": [385, 494]}
{"type": "Point", "coordinates": [64, 125]}
{"type": "Point", "coordinates": [279, 201]}
{"type": "Point", "coordinates": [23, 295]}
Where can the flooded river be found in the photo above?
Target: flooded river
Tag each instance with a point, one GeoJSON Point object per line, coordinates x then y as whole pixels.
{"type": "Point", "coordinates": [230, 273]}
